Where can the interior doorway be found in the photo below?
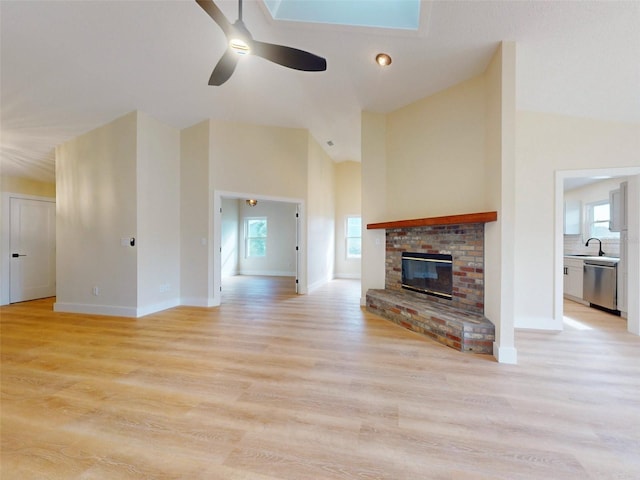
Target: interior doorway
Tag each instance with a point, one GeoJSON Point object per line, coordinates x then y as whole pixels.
{"type": "Point", "coordinates": [258, 237]}
{"type": "Point", "coordinates": [633, 283]}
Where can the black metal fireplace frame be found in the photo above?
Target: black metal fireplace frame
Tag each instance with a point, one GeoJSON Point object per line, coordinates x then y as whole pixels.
{"type": "Point", "coordinates": [431, 258]}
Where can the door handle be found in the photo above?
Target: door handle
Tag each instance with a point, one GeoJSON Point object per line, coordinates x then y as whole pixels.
{"type": "Point", "coordinates": [16, 255]}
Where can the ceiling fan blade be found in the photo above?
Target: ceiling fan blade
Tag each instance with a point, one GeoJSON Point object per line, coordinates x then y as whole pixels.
{"type": "Point", "coordinates": [217, 15]}
{"type": "Point", "coordinates": [289, 57]}
{"type": "Point", "coordinates": [225, 67]}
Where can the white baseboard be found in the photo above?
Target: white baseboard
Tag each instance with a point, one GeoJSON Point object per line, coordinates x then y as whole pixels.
{"type": "Point", "coordinates": [576, 299]}
{"type": "Point", "coordinates": [112, 311]}
{"type": "Point", "coordinates": [316, 285]}
{"type": "Point", "coordinates": [268, 273]}
{"type": "Point", "coordinates": [198, 302]}
{"type": "Point", "coordinates": [350, 276]}
{"type": "Point", "coordinates": [158, 307]}
{"type": "Point", "coordinates": [505, 354]}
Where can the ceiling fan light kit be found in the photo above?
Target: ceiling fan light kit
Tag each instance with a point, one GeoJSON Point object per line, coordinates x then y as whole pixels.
{"type": "Point", "coordinates": [241, 42]}
{"type": "Point", "coordinates": [239, 46]}
{"type": "Point", "coordinates": [383, 59]}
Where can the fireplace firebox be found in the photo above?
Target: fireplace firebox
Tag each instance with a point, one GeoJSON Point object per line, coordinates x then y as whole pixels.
{"type": "Point", "coordinates": [428, 273]}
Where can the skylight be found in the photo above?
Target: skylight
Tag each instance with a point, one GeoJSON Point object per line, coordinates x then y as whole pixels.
{"type": "Point", "coordinates": [400, 14]}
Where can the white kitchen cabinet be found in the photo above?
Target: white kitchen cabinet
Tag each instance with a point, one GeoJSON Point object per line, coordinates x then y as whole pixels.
{"type": "Point", "coordinates": [572, 217]}
{"type": "Point", "coordinates": [618, 208]}
{"type": "Point", "coordinates": [573, 274]}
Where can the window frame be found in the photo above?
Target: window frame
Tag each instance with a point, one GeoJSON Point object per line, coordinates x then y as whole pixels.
{"type": "Point", "coordinates": [590, 221]}
{"type": "Point", "coordinates": [248, 238]}
{"type": "Point", "coordinates": [348, 238]}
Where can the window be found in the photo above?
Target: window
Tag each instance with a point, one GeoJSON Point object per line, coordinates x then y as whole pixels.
{"type": "Point", "coordinates": [598, 220]}
{"type": "Point", "coordinates": [255, 236]}
{"type": "Point", "coordinates": [354, 237]}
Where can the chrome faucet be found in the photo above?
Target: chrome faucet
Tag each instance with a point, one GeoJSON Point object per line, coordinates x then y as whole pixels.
{"type": "Point", "coordinates": [600, 252]}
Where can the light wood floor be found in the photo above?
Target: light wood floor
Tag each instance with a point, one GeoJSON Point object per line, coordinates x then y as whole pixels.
{"type": "Point", "coordinates": [277, 386]}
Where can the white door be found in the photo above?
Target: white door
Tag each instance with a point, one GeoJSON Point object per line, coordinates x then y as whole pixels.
{"type": "Point", "coordinates": [33, 250]}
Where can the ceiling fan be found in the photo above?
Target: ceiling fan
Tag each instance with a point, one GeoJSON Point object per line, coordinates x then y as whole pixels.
{"type": "Point", "coordinates": [241, 43]}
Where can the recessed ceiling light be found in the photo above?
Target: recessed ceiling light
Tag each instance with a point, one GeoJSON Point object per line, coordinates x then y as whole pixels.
{"type": "Point", "coordinates": [383, 59]}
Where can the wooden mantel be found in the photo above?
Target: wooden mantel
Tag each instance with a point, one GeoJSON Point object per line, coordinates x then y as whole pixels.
{"type": "Point", "coordinates": [482, 217]}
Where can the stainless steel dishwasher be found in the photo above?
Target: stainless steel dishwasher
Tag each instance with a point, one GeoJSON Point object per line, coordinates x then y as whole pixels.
{"type": "Point", "coordinates": [600, 283]}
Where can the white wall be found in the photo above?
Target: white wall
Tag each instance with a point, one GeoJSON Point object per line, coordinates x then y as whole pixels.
{"type": "Point", "coordinates": [97, 207]}
{"type": "Point", "coordinates": [280, 259]}
{"type": "Point", "coordinates": [546, 144]}
{"type": "Point", "coordinates": [230, 233]}
{"type": "Point", "coordinates": [158, 216]}
{"type": "Point", "coordinates": [348, 184]}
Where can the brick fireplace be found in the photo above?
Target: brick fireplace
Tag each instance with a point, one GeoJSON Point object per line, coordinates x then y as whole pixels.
{"type": "Point", "coordinates": [458, 322]}
{"type": "Point", "coordinates": [465, 243]}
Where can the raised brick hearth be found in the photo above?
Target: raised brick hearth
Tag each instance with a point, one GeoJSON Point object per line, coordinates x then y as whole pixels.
{"type": "Point", "coordinates": [458, 322]}
{"type": "Point", "coordinates": [463, 330]}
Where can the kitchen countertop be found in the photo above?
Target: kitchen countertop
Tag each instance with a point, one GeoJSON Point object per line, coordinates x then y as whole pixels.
{"type": "Point", "coordinates": [594, 257]}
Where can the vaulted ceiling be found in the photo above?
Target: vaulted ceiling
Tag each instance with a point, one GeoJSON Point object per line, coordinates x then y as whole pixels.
{"type": "Point", "coordinates": [70, 66]}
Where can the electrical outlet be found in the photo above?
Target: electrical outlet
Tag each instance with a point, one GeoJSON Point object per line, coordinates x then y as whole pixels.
{"type": "Point", "coordinates": [95, 291]}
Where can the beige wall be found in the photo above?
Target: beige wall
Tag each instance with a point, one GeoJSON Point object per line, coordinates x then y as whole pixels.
{"type": "Point", "coordinates": [546, 144]}
{"type": "Point", "coordinates": [262, 160]}
{"type": "Point", "coordinates": [220, 160]}
{"type": "Point", "coordinates": [25, 186]}
{"type": "Point", "coordinates": [96, 207]}
{"type": "Point", "coordinates": [436, 154]}
{"type": "Point", "coordinates": [14, 186]}
{"type": "Point", "coordinates": [499, 173]}
{"type": "Point", "coordinates": [196, 217]}
{"type": "Point", "coordinates": [115, 183]}
{"type": "Point", "coordinates": [158, 216]}
{"type": "Point", "coordinates": [450, 153]}
{"type": "Point", "coordinates": [320, 216]}
{"type": "Point", "coordinates": [374, 199]}
{"type": "Point", "coordinates": [348, 184]}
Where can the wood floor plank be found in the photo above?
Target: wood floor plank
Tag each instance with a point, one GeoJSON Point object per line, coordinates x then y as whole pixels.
{"type": "Point", "coordinates": [276, 386]}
